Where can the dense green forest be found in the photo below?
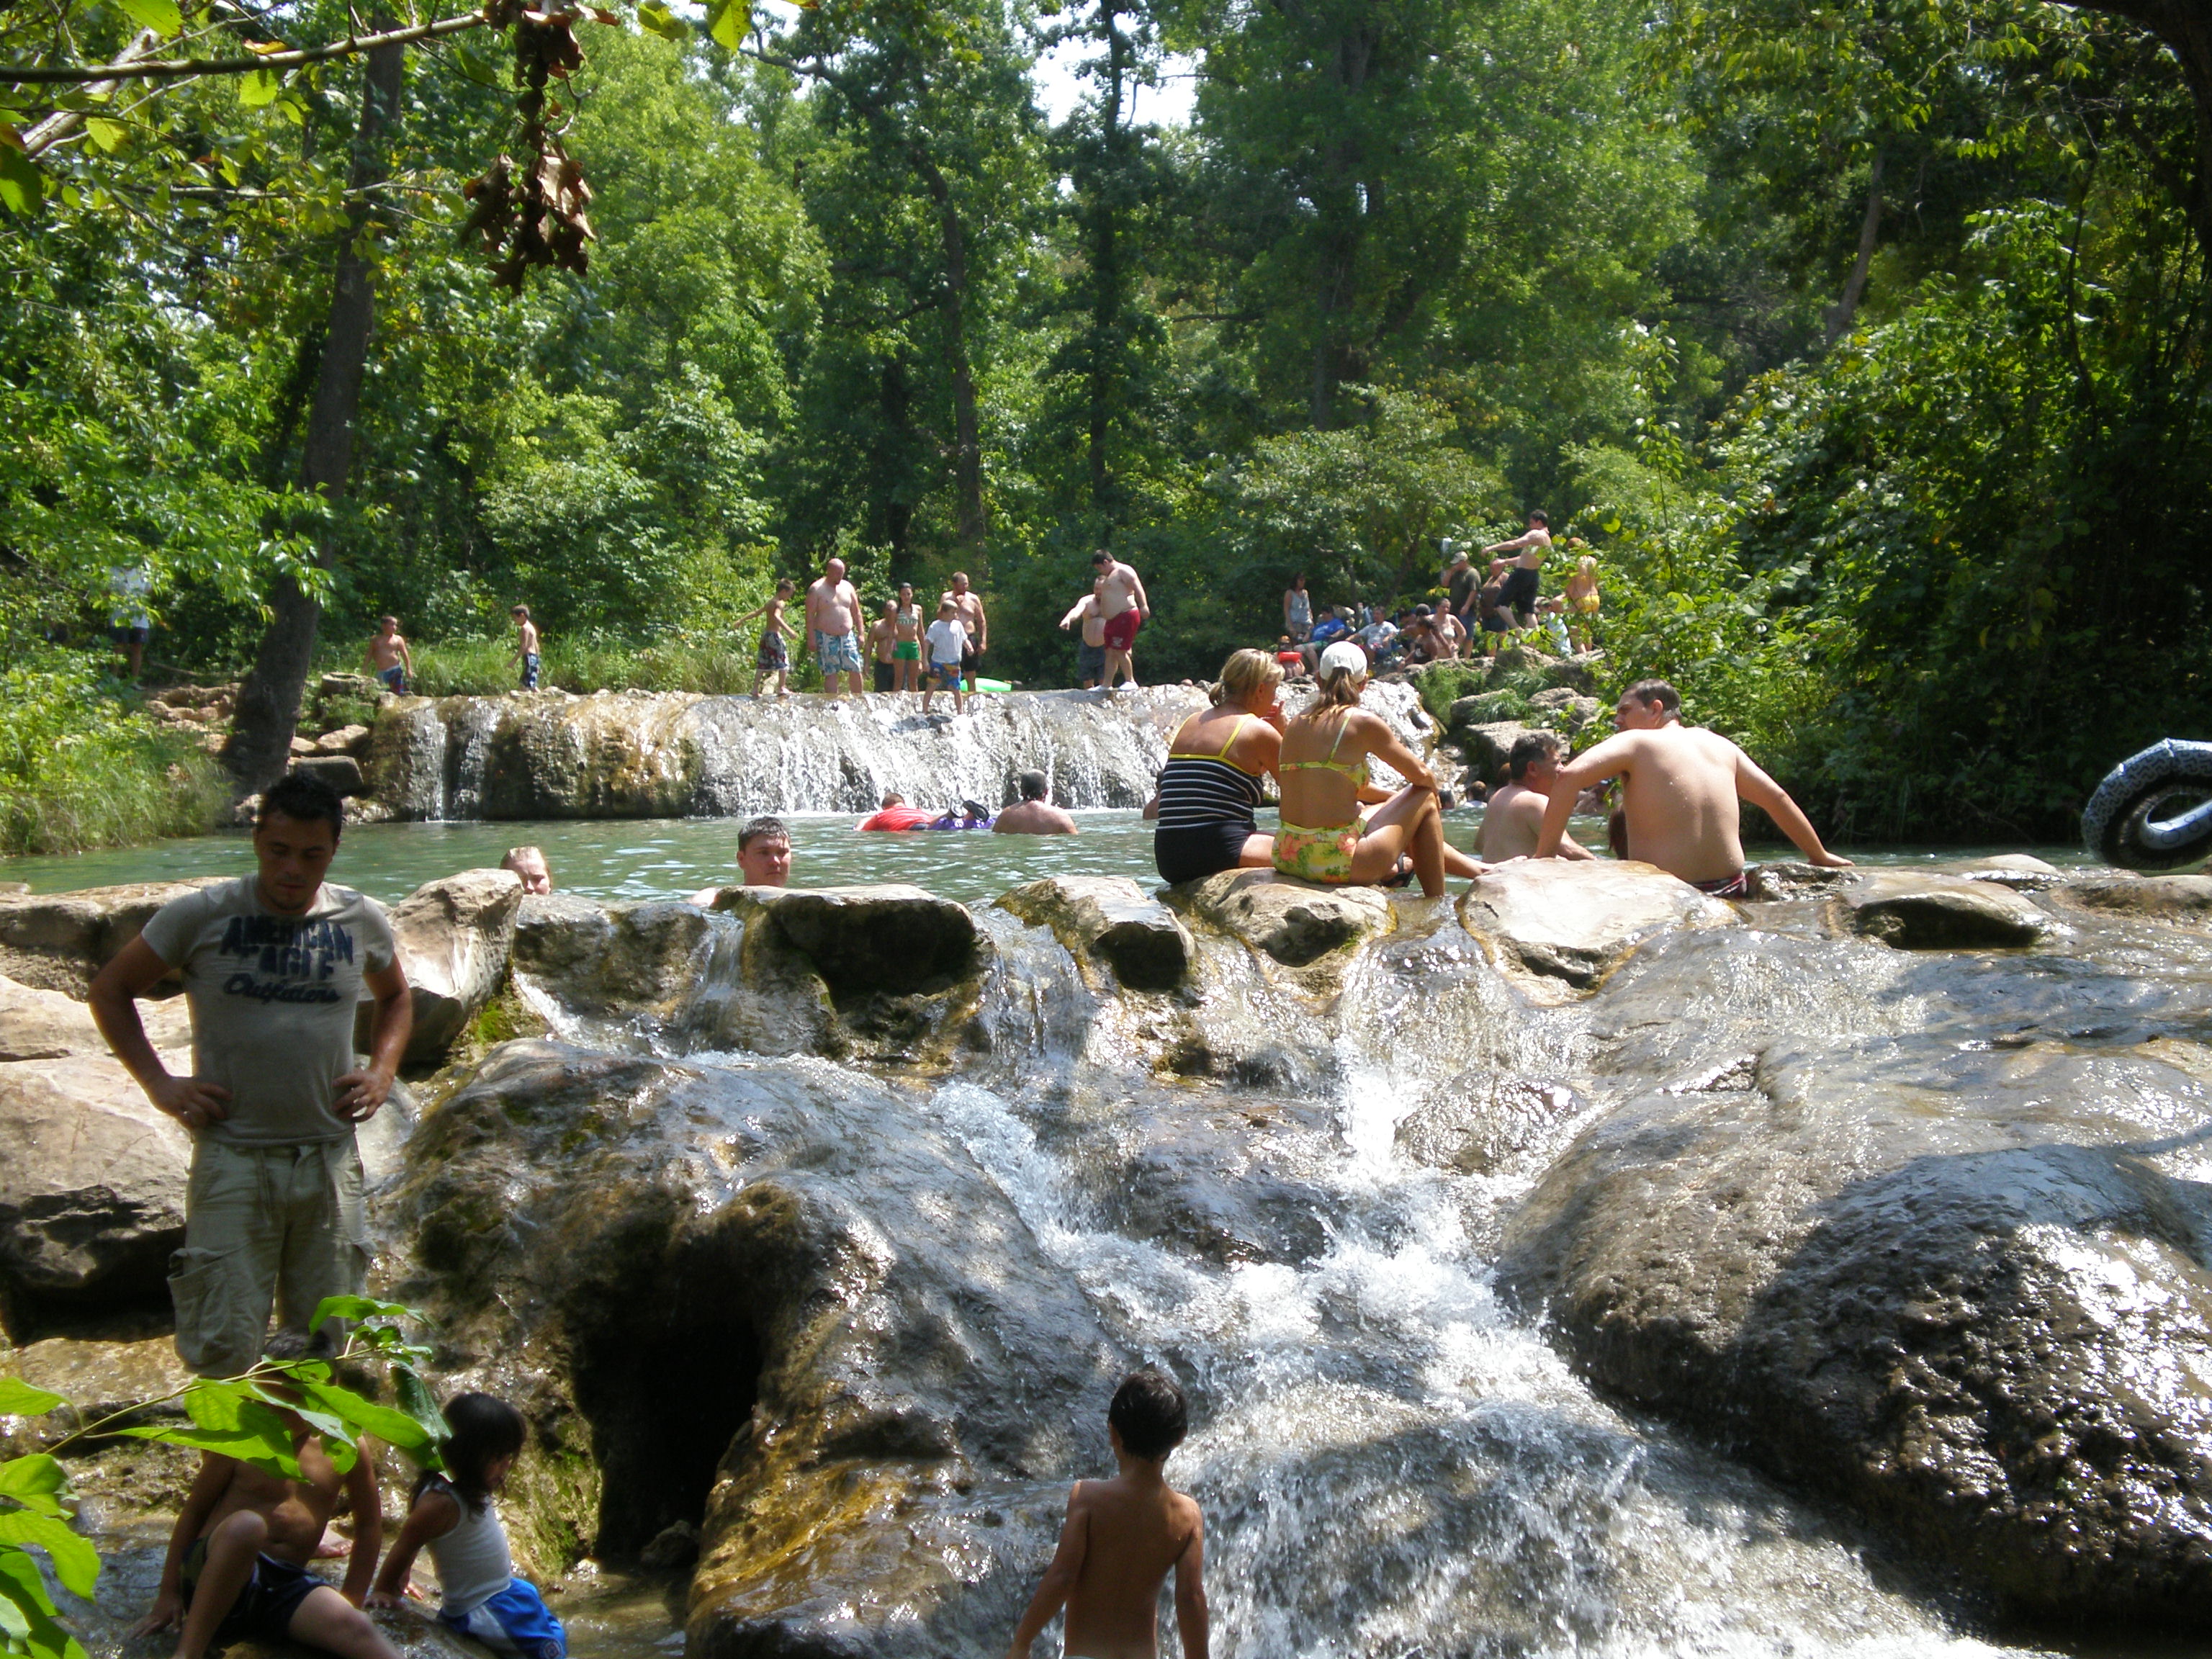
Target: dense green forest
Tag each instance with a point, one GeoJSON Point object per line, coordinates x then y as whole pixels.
{"type": "Point", "coordinates": [1863, 341]}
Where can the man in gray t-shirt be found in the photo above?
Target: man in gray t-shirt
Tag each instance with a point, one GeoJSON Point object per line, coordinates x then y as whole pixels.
{"type": "Point", "coordinates": [275, 965]}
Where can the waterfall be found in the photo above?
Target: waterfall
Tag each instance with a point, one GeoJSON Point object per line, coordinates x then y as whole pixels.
{"type": "Point", "coordinates": [639, 755]}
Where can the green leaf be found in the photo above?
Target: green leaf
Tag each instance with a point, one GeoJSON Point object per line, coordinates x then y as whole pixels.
{"type": "Point", "coordinates": [76, 1564]}
{"type": "Point", "coordinates": [242, 1444]}
{"type": "Point", "coordinates": [32, 1481]}
{"type": "Point", "coordinates": [663, 23]}
{"type": "Point", "coordinates": [727, 22]}
{"type": "Point", "coordinates": [259, 86]}
{"type": "Point", "coordinates": [362, 1416]}
{"type": "Point", "coordinates": [108, 135]}
{"type": "Point", "coordinates": [162, 16]}
{"type": "Point", "coordinates": [17, 1397]}
{"type": "Point", "coordinates": [419, 1403]}
{"type": "Point", "coordinates": [359, 1307]}
{"type": "Point", "coordinates": [22, 1589]}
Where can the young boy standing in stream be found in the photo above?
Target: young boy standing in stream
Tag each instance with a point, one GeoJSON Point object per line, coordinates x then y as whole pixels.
{"type": "Point", "coordinates": [1122, 1536]}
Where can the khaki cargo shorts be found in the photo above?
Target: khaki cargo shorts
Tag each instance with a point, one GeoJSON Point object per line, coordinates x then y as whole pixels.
{"type": "Point", "coordinates": [286, 1225]}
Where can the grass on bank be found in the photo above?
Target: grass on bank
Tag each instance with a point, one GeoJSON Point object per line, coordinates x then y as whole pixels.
{"type": "Point", "coordinates": [485, 667]}
{"type": "Point", "coordinates": [82, 767]}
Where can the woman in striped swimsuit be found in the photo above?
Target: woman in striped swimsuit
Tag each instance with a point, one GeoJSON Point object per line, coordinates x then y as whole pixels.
{"type": "Point", "coordinates": [1210, 788]}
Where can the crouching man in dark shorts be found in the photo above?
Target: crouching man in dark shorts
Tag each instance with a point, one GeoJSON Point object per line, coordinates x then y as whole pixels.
{"type": "Point", "coordinates": [275, 965]}
{"type": "Point", "coordinates": [237, 1566]}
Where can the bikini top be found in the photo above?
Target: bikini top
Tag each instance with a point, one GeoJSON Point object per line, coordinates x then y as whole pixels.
{"type": "Point", "coordinates": [1354, 769]}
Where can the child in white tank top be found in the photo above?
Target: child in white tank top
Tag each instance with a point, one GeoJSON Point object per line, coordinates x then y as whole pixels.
{"type": "Point", "coordinates": [453, 1516]}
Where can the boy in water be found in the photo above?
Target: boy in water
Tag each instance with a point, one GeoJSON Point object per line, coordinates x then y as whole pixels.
{"type": "Point", "coordinates": [1120, 1538]}
{"type": "Point", "coordinates": [525, 646]}
{"type": "Point", "coordinates": [237, 1566]}
{"type": "Point", "coordinates": [388, 656]}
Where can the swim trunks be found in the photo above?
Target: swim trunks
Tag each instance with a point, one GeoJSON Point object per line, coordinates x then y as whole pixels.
{"type": "Point", "coordinates": [265, 1604]}
{"type": "Point", "coordinates": [394, 679]}
{"type": "Point", "coordinates": [886, 676]}
{"type": "Point", "coordinates": [1089, 662]}
{"type": "Point", "coordinates": [1729, 887]}
{"type": "Point", "coordinates": [1322, 855]}
{"type": "Point", "coordinates": [530, 670]}
{"type": "Point", "coordinates": [1520, 591]}
{"type": "Point", "coordinates": [906, 651]}
{"type": "Point", "coordinates": [837, 652]}
{"type": "Point", "coordinates": [515, 1621]}
{"type": "Point", "coordinates": [772, 658]}
{"type": "Point", "coordinates": [1121, 629]}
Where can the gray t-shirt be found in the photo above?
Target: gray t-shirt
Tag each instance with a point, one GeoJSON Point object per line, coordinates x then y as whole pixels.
{"type": "Point", "coordinates": [273, 999]}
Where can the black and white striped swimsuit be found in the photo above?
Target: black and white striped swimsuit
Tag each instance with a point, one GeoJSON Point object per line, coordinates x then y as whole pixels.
{"type": "Point", "coordinates": [1207, 803]}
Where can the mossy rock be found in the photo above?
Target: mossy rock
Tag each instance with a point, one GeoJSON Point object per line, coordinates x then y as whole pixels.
{"type": "Point", "coordinates": [1487, 707]}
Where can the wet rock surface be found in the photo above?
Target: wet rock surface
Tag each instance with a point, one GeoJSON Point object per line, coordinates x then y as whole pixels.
{"type": "Point", "coordinates": [454, 937]}
{"type": "Point", "coordinates": [1914, 911]}
{"type": "Point", "coordinates": [767, 1296]}
{"type": "Point", "coordinates": [1296, 922]}
{"type": "Point", "coordinates": [1966, 1289]}
{"type": "Point", "coordinates": [1575, 923]}
{"type": "Point", "coordinates": [1112, 919]}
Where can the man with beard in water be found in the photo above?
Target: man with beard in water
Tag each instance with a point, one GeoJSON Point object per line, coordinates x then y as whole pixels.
{"type": "Point", "coordinates": [1122, 1537]}
{"type": "Point", "coordinates": [1683, 786]}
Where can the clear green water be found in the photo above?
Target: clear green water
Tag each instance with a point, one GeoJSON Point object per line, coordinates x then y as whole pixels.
{"type": "Point", "coordinates": [671, 858]}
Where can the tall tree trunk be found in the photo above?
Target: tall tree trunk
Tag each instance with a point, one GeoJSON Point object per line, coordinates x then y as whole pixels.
{"type": "Point", "coordinates": [1106, 267]}
{"type": "Point", "coordinates": [970, 525]}
{"type": "Point", "coordinates": [269, 700]}
{"type": "Point", "coordinates": [1840, 314]}
{"type": "Point", "coordinates": [1336, 198]}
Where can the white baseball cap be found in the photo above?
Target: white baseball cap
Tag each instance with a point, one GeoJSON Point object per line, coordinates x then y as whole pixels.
{"type": "Point", "coordinates": [1344, 654]}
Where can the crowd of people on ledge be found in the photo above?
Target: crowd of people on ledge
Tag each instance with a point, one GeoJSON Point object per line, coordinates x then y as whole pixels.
{"type": "Point", "coordinates": [909, 651]}
{"type": "Point", "coordinates": [1680, 789]}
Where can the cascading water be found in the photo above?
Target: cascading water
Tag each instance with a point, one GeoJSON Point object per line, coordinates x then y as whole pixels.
{"type": "Point", "coordinates": [624, 754]}
{"type": "Point", "coordinates": [1393, 1461]}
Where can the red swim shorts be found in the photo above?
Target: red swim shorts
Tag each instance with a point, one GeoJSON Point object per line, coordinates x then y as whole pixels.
{"type": "Point", "coordinates": [1121, 629]}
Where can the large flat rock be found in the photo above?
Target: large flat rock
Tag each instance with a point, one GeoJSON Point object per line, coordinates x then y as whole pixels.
{"type": "Point", "coordinates": [2163, 898]}
{"type": "Point", "coordinates": [1915, 910]}
{"type": "Point", "coordinates": [774, 1298]}
{"type": "Point", "coordinates": [891, 938]}
{"type": "Point", "coordinates": [1113, 920]}
{"type": "Point", "coordinates": [58, 941]}
{"type": "Point", "coordinates": [1575, 922]}
{"type": "Point", "coordinates": [454, 936]}
{"type": "Point", "coordinates": [92, 1183]}
{"type": "Point", "coordinates": [1967, 1290]}
{"type": "Point", "coordinates": [1296, 922]}
{"type": "Point", "coordinates": [46, 1024]}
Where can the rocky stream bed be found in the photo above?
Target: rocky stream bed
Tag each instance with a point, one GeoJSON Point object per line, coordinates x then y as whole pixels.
{"type": "Point", "coordinates": [1574, 1265]}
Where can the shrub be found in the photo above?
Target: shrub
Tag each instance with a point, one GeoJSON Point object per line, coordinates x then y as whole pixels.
{"type": "Point", "coordinates": [79, 767]}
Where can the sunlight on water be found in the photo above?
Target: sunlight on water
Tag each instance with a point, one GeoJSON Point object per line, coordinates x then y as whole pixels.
{"type": "Point", "coordinates": [1394, 1464]}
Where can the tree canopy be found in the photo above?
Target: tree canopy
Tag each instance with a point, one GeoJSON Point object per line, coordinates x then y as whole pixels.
{"type": "Point", "coordinates": [1863, 341]}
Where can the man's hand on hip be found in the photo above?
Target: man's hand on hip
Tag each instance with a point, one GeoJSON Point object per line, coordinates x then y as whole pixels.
{"type": "Point", "coordinates": [358, 1094]}
{"type": "Point", "coordinates": [193, 1102]}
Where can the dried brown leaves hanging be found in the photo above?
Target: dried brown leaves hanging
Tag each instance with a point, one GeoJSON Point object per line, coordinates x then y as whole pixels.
{"type": "Point", "coordinates": [532, 212]}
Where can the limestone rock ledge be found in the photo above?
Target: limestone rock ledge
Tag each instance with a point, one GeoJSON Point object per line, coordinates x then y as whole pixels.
{"type": "Point", "coordinates": [1110, 919]}
{"type": "Point", "coordinates": [775, 1299]}
{"type": "Point", "coordinates": [1967, 1290]}
{"type": "Point", "coordinates": [1574, 923]}
{"type": "Point", "coordinates": [1915, 910]}
{"type": "Point", "coordinates": [1296, 922]}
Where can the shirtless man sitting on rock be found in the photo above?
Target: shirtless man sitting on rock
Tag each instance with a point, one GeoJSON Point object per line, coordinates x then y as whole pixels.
{"type": "Point", "coordinates": [1513, 819]}
{"type": "Point", "coordinates": [1683, 784]}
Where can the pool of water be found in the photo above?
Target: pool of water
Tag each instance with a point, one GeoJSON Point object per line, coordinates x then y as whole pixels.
{"type": "Point", "coordinates": [630, 860]}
